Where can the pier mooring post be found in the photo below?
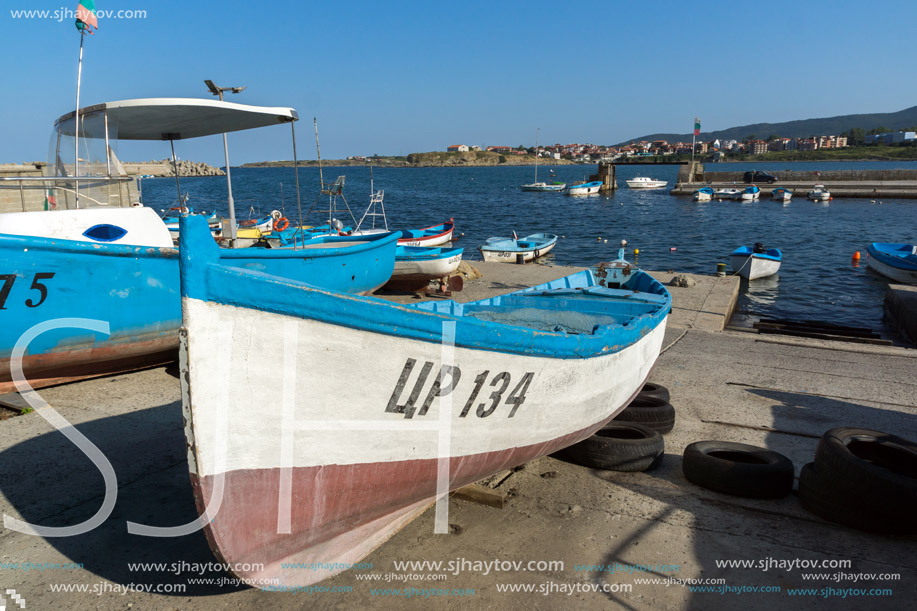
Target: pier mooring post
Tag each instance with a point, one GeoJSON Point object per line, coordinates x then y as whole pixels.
{"type": "Point", "coordinates": [606, 175]}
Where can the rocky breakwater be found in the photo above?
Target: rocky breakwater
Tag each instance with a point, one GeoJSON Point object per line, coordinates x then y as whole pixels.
{"type": "Point", "coordinates": [164, 168]}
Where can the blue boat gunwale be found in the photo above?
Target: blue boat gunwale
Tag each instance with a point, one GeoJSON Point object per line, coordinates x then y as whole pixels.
{"type": "Point", "coordinates": [525, 244]}
{"type": "Point", "coordinates": [894, 254]}
{"type": "Point", "coordinates": [747, 251]}
{"type": "Point", "coordinates": [204, 278]}
{"type": "Point", "coordinates": [425, 253]}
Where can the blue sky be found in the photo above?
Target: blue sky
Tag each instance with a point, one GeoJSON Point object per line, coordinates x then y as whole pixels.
{"type": "Point", "coordinates": [400, 77]}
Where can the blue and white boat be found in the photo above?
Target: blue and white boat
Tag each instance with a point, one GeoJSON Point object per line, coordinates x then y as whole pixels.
{"type": "Point", "coordinates": [781, 194]}
{"type": "Point", "coordinates": [518, 250]}
{"type": "Point", "coordinates": [895, 261]}
{"type": "Point", "coordinates": [755, 262]}
{"type": "Point", "coordinates": [172, 215]}
{"type": "Point", "coordinates": [750, 193]}
{"type": "Point", "coordinates": [704, 194]}
{"type": "Point", "coordinates": [586, 188]}
{"type": "Point", "coordinates": [416, 266]}
{"type": "Point", "coordinates": [448, 393]}
{"type": "Point", "coordinates": [117, 267]}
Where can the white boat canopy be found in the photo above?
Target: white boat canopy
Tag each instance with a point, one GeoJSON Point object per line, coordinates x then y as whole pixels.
{"type": "Point", "coordinates": [179, 118]}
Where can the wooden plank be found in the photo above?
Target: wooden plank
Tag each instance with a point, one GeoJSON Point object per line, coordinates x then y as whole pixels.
{"type": "Point", "coordinates": [481, 495]}
{"type": "Point", "coordinates": [839, 338]}
{"type": "Point", "coordinates": [14, 401]}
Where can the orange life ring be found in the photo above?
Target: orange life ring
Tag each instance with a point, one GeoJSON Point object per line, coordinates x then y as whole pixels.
{"type": "Point", "coordinates": [281, 224]}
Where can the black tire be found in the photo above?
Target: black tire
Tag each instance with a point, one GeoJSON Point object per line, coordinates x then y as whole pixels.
{"type": "Point", "coordinates": [820, 496]}
{"type": "Point", "coordinates": [738, 469]}
{"type": "Point", "coordinates": [871, 464]}
{"type": "Point", "coordinates": [653, 412]}
{"type": "Point", "coordinates": [655, 390]}
{"type": "Point", "coordinates": [618, 446]}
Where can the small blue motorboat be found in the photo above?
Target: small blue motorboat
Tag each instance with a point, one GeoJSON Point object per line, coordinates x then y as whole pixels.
{"type": "Point", "coordinates": [755, 262]}
{"type": "Point", "coordinates": [586, 188]}
{"type": "Point", "coordinates": [895, 261]}
{"type": "Point", "coordinates": [750, 194]}
{"type": "Point", "coordinates": [781, 194]}
{"type": "Point", "coordinates": [518, 250]}
{"type": "Point", "coordinates": [704, 194]}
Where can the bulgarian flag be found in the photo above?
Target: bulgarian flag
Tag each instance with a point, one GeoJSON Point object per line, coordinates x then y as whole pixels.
{"type": "Point", "coordinates": [86, 16]}
{"type": "Point", "coordinates": [696, 124]}
{"type": "Point", "coordinates": [50, 201]}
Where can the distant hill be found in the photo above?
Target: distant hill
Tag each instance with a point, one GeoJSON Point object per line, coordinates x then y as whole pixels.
{"type": "Point", "coordinates": [800, 129]}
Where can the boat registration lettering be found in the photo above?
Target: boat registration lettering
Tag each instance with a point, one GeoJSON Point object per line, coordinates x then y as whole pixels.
{"type": "Point", "coordinates": [37, 285]}
{"type": "Point", "coordinates": [447, 380]}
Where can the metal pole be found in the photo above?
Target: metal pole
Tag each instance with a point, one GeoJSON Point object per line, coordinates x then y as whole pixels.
{"type": "Point", "coordinates": [321, 179]}
{"type": "Point", "coordinates": [175, 170]}
{"type": "Point", "coordinates": [296, 171]}
{"type": "Point", "coordinates": [229, 200]}
{"type": "Point", "coordinates": [76, 121]}
{"type": "Point", "coordinates": [21, 196]}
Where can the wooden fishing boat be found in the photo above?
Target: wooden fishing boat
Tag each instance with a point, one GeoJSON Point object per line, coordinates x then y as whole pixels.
{"type": "Point", "coordinates": [756, 262]}
{"type": "Point", "coordinates": [750, 194]}
{"type": "Point", "coordinates": [118, 266]}
{"type": "Point", "coordinates": [781, 194]}
{"type": "Point", "coordinates": [586, 188]}
{"type": "Point", "coordinates": [819, 193]}
{"type": "Point", "coordinates": [416, 266]}
{"type": "Point", "coordinates": [330, 469]}
{"type": "Point", "coordinates": [704, 194]}
{"type": "Point", "coordinates": [895, 261]}
{"type": "Point", "coordinates": [435, 235]}
{"type": "Point", "coordinates": [521, 250]}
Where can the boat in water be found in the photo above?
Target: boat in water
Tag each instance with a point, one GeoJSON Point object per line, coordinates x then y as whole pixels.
{"type": "Point", "coordinates": [756, 262]}
{"type": "Point", "coordinates": [704, 194]}
{"type": "Point", "coordinates": [585, 188]}
{"type": "Point", "coordinates": [727, 193]}
{"type": "Point", "coordinates": [781, 194]}
{"type": "Point", "coordinates": [330, 469]}
{"type": "Point", "coordinates": [750, 194]}
{"type": "Point", "coordinates": [645, 182]}
{"type": "Point", "coordinates": [895, 261]}
{"type": "Point", "coordinates": [417, 266]}
{"type": "Point", "coordinates": [118, 266]}
{"type": "Point", "coordinates": [554, 185]}
{"type": "Point", "coordinates": [518, 250]}
{"type": "Point", "coordinates": [819, 194]}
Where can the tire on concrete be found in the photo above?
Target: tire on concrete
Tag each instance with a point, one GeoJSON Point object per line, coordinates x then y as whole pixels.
{"type": "Point", "coordinates": [618, 446]}
{"type": "Point", "coordinates": [738, 469]}
{"type": "Point", "coordinates": [655, 390]}
{"type": "Point", "coordinates": [819, 495]}
{"type": "Point", "coordinates": [871, 464]}
{"type": "Point", "coordinates": [650, 411]}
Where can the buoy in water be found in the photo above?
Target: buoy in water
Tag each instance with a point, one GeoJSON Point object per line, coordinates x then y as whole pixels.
{"type": "Point", "coordinates": [673, 249]}
{"type": "Point", "coordinates": [598, 239]}
{"type": "Point", "coordinates": [856, 256]}
{"type": "Point", "coordinates": [636, 251]}
{"type": "Point", "coordinates": [605, 241]}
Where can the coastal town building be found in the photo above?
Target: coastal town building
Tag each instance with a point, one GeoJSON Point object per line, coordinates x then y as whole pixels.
{"type": "Point", "coordinates": [458, 148]}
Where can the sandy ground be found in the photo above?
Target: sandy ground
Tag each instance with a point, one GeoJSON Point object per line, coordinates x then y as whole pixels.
{"type": "Point", "coordinates": [782, 394]}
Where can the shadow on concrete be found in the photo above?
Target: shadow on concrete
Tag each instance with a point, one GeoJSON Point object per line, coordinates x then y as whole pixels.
{"type": "Point", "coordinates": [55, 484]}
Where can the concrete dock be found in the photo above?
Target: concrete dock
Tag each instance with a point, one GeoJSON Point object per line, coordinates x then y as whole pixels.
{"type": "Point", "coordinates": [769, 391]}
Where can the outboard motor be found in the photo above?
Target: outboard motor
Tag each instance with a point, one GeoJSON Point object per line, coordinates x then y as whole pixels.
{"type": "Point", "coordinates": [759, 248]}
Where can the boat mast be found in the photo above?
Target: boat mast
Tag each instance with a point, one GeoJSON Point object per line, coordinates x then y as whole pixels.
{"type": "Point", "coordinates": [537, 129]}
{"type": "Point", "coordinates": [76, 122]}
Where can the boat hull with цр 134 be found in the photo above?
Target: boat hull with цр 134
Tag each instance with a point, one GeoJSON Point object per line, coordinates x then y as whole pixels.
{"type": "Point", "coordinates": [331, 469]}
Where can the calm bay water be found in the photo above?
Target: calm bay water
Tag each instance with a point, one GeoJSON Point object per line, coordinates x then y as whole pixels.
{"type": "Point", "coordinates": [817, 280]}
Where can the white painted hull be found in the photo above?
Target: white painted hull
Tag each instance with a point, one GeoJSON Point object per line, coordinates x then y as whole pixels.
{"type": "Point", "coordinates": [819, 196]}
{"type": "Point", "coordinates": [142, 226]}
{"type": "Point", "coordinates": [750, 197]}
{"type": "Point", "coordinates": [583, 190]}
{"type": "Point", "coordinates": [436, 268]}
{"type": "Point", "coordinates": [437, 240]}
{"type": "Point", "coordinates": [510, 256]}
{"type": "Point", "coordinates": [897, 274]}
{"type": "Point", "coordinates": [754, 269]}
{"type": "Point", "coordinates": [783, 197]}
{"type": "Point", "coordinates": [356, 472]}
{"type": "Point", "coordinates": [727, 194]}
{"type": "Point", "coordinates": [646, 184]}
{"type": "Point", "coordinates": [702, 197]}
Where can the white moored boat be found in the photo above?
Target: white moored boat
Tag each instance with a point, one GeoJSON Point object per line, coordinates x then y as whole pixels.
{"type": "Point", "coordinates": [781, 194]}
{"type": "Point", "coordinates": [756, 262]}
{"type": "Point", "coordinates": [585, 188]}
{"type": "Point", "coordinates": [644, 182]}
{"type": "Point", "coordinates": [328, 469]}
{"type": "Point", "coordinates": [728, 193]}
{"type": "Point", "coordinates": [819, 193]}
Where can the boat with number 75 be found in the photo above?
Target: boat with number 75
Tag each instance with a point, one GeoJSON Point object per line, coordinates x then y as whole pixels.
{"type": "Point", "coordinates": [329, 469]}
